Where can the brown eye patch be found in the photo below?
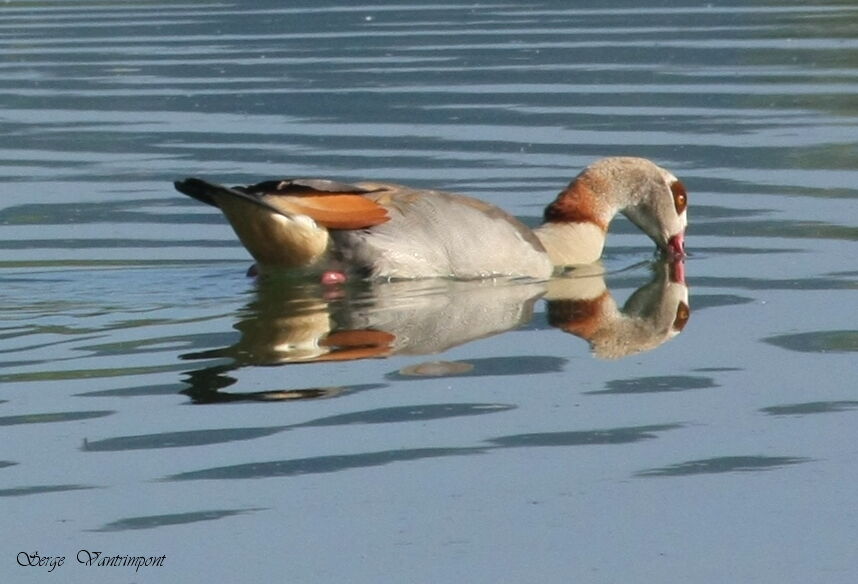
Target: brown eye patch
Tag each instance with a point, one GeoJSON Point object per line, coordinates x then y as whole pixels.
{"type": "Point", "coordinates": [680, 197]}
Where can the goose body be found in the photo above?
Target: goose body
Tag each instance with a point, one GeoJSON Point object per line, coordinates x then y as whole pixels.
{"type": "Point", "coordinates": [382, 230]}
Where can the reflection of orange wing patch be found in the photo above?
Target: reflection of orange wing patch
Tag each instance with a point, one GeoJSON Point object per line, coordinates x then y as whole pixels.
{"type": "Point", "coordinates": [357, 344]}
{"type": "Point", "coordinates": [334, 210]}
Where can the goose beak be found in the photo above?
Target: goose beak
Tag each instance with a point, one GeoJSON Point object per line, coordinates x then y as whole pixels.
{"type": "Point", "coordinates": [676, 245]}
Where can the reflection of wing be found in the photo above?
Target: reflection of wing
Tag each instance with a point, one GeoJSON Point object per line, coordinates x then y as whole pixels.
{"type": "Point", "coordinates": [297, 323]}
{"type": "Point", "coordinates": [432, 316]}
{"type": "Point", "coordinates": [655, 313]}
{"type": "Point", "coordinates": [359, 344]}
{"type": "Point", "coordinates": [288, 324]}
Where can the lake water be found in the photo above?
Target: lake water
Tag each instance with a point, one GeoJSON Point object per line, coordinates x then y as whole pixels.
{"type": "Point", "coordinates": [156, 402]}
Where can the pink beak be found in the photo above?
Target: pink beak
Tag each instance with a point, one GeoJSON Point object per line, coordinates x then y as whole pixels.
{"type": "Point", "coordinates": [676, 245]}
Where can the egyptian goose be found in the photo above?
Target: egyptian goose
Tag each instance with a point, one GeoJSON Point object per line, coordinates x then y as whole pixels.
{"type": "Point", "coordinates": [380, 230]}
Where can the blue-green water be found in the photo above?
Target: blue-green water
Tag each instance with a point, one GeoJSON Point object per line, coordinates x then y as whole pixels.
{"type": "Point", "coordinates": [156, 402]}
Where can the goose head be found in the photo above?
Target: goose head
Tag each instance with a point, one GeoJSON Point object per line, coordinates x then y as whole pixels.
{"type": "Point", "coordinates": [656, 201]}
{"type": "Point", "coordinates": [648, 195]}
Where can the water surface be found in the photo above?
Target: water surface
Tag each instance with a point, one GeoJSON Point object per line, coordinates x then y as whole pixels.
{"type": "Point", "coordinates": [155, 401]}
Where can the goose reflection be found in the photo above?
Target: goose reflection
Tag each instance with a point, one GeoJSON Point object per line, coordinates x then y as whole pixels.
{"type": "Point", "coordinates": [295, 322]}
{"type": "Point", "coordinates": [654, 314]}
{"type": "Point", "coordinates": [288, 323]}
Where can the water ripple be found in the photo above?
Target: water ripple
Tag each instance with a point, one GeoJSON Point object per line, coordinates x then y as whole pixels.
{"type": "Point", "coordinates": [116, 290]}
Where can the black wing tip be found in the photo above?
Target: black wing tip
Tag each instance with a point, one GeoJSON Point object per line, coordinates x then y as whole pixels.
{"type": "Point", "coordinates": [196, 188]}
{"type": "Point", "coordinates": [189, 185]}
{"type": "Point", "coordinates": [192, 184]}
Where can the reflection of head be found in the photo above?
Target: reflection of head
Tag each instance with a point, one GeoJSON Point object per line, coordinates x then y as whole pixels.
{"type": "Point", "coordinates": [654, 314]}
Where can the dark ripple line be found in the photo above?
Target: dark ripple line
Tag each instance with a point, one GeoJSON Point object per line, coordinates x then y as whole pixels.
{"type": "Point", "coordinates": [154, 521]}
{"type": "Point", "coordinates": [53, 417]}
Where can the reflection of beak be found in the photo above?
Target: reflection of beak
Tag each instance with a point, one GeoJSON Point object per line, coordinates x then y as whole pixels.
{"type": "Point", "coordinates": [676, 245]}
{"type": "Point", "coordinates": [677, 271]}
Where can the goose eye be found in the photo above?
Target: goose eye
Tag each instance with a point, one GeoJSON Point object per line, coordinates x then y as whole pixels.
{"type": "Point", "coordinates": [683, 313]}
{"type": "Point", "coordinates": [680, 197]}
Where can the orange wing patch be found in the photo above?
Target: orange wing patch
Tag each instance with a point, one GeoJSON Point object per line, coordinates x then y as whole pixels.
{"type": "Point", "coordinates": [333, 210]}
